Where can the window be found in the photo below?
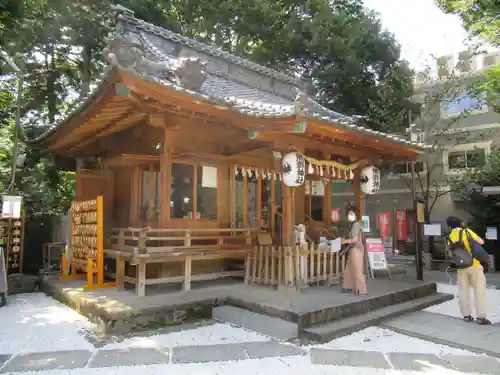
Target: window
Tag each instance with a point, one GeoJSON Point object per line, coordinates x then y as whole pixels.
{"type": "Point", "coordinates": [239, 183]}
{"type": "Point", "coordinates": [184, 181]}
{"type": "Point", "coordinates": [474, 158]}
{"type": "Point", "coordinates": [150, 207]}
{"type": "Point", "coordinates": [405, 168]}
{"type": "Point", "coordinates": [181, 204]}
{"type": "Point", "coordinates": [265, 204]}
{"type": "Point", "coordinates": [206, 192]}
{"type": "Point", "coordinates": [252, 201]}
{"type": "Point", "coordinates": [463, 102]}
{"type": "Point", "coordinates": [315, 200]}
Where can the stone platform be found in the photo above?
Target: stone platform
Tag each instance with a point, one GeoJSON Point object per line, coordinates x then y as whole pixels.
{"type": "Point", "coordinates": [309, 313]}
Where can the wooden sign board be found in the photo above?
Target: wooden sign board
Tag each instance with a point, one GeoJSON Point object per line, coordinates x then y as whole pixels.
{"type": "Point", "coordinates": [420, 213]}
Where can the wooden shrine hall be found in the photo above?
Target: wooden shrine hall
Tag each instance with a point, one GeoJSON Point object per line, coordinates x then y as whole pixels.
{"type": "Point", "coordinates": [184, 141]}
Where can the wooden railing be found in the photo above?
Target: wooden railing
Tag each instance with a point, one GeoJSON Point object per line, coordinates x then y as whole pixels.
{"type": "Point", "coordinates": [149, 240]}
{"type": "Point", "coordinates": [169, 248]}
{"type": "Point", "coordinates": [297, 267]}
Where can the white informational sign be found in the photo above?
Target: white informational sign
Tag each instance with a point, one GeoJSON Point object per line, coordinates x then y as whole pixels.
{"type": "Point", "coordinates": [209, 177]}
{"type": "Point", "coordinates": [11, 207]}
{"type": "Point", "coordinates": [491, 233]}
{"type": "Point", "coordinates": [376, 254]}
{"type": "Point", "coordinates": [432, 230]}
{"type": "Point", "coordinates": [335, 245]}
{"type": "Point", "coordinates": [366, 223]}
{"type": "Point", "coordinates": [315, 188]}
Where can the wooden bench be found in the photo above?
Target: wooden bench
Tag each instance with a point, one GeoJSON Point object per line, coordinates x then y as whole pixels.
{"type": "Point", "coordinates": [140, 247]}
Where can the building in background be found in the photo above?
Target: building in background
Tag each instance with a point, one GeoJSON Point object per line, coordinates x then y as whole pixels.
{"type": "Point", "coordinates": [464, 128]}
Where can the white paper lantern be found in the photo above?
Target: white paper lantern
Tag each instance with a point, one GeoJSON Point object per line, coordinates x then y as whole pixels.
{"type": "Point", "coordinates": [370, 180]}
{"type": "Point", "coordinates": [294, 169]}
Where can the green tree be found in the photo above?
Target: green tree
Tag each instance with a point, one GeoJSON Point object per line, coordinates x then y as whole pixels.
{"type": "Point", "coordinates": [484, 209]}
{"type": "Point", "coordinates": [481, 18]}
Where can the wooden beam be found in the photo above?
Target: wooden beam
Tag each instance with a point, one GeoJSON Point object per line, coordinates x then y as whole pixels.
{"type": "Point", "coordinates": [244, 148]}
{"type": "Point", "coordinates": [125, 121]}
{"type": "Point", "coordinates": [379, 145]}
{"type": "Point", "coordinates": [165, 120]}
{"type": "Point", "coordinates": [106, 94]}
{"type": "Point", "coordinates": [284, 141]}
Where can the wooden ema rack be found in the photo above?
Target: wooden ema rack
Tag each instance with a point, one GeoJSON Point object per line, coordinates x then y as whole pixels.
{"type": "Point", "coordinates": [87, 245]}
{"type": "Point", "coordinates": [12, 242]}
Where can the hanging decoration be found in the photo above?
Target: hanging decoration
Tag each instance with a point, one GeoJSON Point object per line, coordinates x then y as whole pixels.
{"type": "Point", "coordinates": [324, 169]}
{"type": "Point", "coordinates": [294, 169]}
{"type": "Point", "coordinates": [319, 164]}
{"type": "Point", "coordinates": [370, 180]}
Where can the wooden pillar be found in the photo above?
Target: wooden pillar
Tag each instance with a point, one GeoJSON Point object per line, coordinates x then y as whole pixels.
{"type": "Point", "coordinates": [300, 204]}
{"type": "Point", "coordinates": [135, 197]}
{"type": "Point", "coordinates": [327, 208]}
{"type": "Point", "coordinates": [287, 215]}
{"type": "Point", "coordinates": [359, 196]}
{"type": "Point", "coordinates": [166, 179]}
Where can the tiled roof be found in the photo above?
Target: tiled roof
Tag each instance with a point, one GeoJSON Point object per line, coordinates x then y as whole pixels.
{"type": "Point", "coordinates": [222, 90]}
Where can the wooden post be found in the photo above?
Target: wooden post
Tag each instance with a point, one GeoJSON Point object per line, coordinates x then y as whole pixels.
{"type": "Point", "coordinates": [64, 266]}
{"type": "Point", "coordinates": [90, 273]}
{"type": "Point", "coordinates": [100, 242]}
{"type": "Point", "coordinates": [187, 273]}
{"type": "Point", "coordinates": [359, 197]}
{"type": "Point", "coordinates": [141, 278]}
{"type": "Point", "coordinates": [120, 272]}
{"type": "Point", "coordinates": [166, 179]}
{"type": "Point", "coordinates": [287, 213]}
{"type": "Point", "coordinates": [328, 205]}
{"type": "Point", "coordinates": [142, 242]}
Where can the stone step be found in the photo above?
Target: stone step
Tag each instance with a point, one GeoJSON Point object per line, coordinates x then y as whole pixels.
{"type": "Point", "coordinates": [328, 331]}
{"type": "Point", "coordinates": [267, 325]}
{"type": "Point", "coordinates": [448, 330]}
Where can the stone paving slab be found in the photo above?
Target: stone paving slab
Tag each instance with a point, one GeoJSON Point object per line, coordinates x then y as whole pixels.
{"type": "Point", "coordinates": [65, 360]}
{"type": "Point", "coordinates": [208, 353]}
{"type": "Point", "coordinates": [4, 358]}
{"type": "Point", "coordinates": [267, 325]}
{"type": "Point", "coordinates": [474, 364]}
{"type": "Point", "coordinates": [269, 349]}
{"type": "Point", "coordinates": [417, 362]}
{"type": "Point", "coordinates": [354, 358]}
{"type": "Point", "coordinates": [447, 330]}
{"type": "Point", "coordinates": [129, 357]}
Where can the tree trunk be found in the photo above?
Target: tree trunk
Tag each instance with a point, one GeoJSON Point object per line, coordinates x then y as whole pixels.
{"type": "Point", "coordinates": [85, 73]}
{"type": "Point", "coordinates": [51, 86]}
{"type": "Point", "coordinates": [435, 254]}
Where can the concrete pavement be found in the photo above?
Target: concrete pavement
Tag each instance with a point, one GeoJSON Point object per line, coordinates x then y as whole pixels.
{"type": "Point", "coordinates": [73, 359]}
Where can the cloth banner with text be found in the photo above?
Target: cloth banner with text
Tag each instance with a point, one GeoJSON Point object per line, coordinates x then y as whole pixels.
{"type": "Point", "coordinates": [384, 224]}
{"type": "Point", "coordinates": [401, 225]}
{"type": "Point", "coordinates": [335, 215]}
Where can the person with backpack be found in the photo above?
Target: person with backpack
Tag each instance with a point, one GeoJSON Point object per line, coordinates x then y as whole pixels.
{"type": "Point", "coordinates": [467, 255]}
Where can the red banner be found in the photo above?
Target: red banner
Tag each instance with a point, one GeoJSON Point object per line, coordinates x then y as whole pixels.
{"type": "Point", "coordinates": [384, 224]}
{"type": "Point", "coordinates": [401, 225]}
{"type": "Point", "coordinates": [335, 215]}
